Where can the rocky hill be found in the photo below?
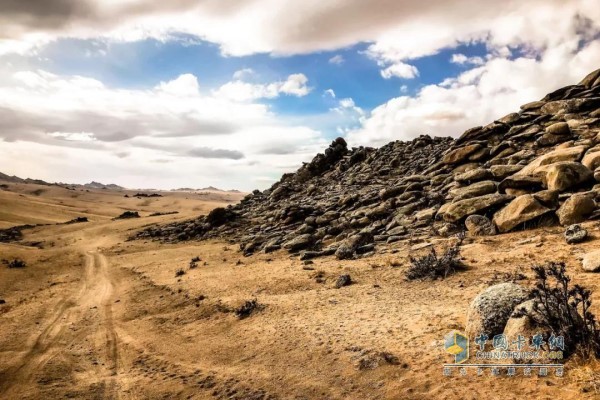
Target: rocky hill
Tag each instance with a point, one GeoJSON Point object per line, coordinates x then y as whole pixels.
{"type": "Point", "coordinates": [539, 165]}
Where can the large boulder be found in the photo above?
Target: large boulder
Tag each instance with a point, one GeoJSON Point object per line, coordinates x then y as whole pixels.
{"type": "Point", "coordinates": [463, 208]}
{"type": "Point", "coordinates": [558, 128]}
{"type": "Point", "coordinates": [564, 175]}
{"type": "Point", "coordinates": [491, 309]}
{"type": "Point", "coordinates": [525, 182]}
{"type": "Point", "coordinates": [457, 155]}
{"type": "Point", "coordinates": [524, 322]}
{"type": "Point", "coordinates": [474, 190]}
{"type": "Point", "coordinates": [522, 209]}
{"type": "Point", "coordinates": [474, 175]}
{"type": "Point", "coordinates": [576, 208]}
{"type": "Point", "coordinates": [592, 159]}
{"type": "Point", "coordinates": [557, 155]}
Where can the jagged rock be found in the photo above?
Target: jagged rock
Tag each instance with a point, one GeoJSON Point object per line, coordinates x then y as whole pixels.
{"type": "Point", "coordinates": [564, 175]}
{"type": "Point", "coordinates": [457, 155]}
{"type": "Point", "coordinates": [463, 208]}
{"type": "Point", "coordinates": [576, 208]}
{"type": "Point", "coordinates": [575, 234]}
{"type": "Point", "coordinates": [522, 209]}
{"type": "Point", "coordinates": [480, 225]}
{"type": "Point", "coordinates": [591, 261]}
{"type": "Point", "coordinates": [491, 309]}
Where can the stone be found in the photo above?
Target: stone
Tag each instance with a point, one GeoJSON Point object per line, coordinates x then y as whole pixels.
{"type": "Point", "coordinates": [558, 128]}
{"type": "Point", "coordinates": [480, 225]}
{"type": "Point", "coordinates": [504, 171]}
{"type": "Point", "coordinates": [348, 247]}
{"type": "Point", "coordinates": [490, 310]}
{"type": "Point", "coordinates": [564, 175]}
{"type": "Point", "coordinates": [300, 242]}
{"type": "Point", "coordinates": [474, 190]}
{"type": "Point", "coordinates": [527, 183]}
{"type": "Point", "coordinates": [591, 261]}
{"type": "Point", "coordinates": [576, 208]}
{"type": "Point", "coordinates": [343, 280]}
{"type": "Point", "coordinates": [575, 234]}
{"type": "Point", "coordinates": [592, 159]}
{"type": "Point", "coordinates": [557, 155]}
{"type": "Point", "coordinates": [523, 321]}
{"type": "Point", "coordinates": [548, 198]}
{"type": "Point", "coordinates": [474, 175]}
{"type": "Point", "coordinates": [457, 155]}
{"type": "Point", "coordinates": [522, 209]}
{"type": "Point", "coordinates": [463, 208]}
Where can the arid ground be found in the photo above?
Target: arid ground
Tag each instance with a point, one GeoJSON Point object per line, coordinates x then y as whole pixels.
{"type": "Point", "coordinates": [96, 316]}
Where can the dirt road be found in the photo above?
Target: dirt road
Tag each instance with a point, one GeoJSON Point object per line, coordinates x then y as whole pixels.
{"type": "Point", "coordinates": [84, 318]}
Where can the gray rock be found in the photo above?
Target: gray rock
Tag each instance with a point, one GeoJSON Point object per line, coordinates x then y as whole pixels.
{"type": "Point", "coordinates": [479, 225]}
{"type": "Point", "coordinates": [463, 208]}
{"type": "Point", "coordinates": [575, 234]}
{"type": "Point", "coordinates": [591, 261]}
{"type": "Point", "coordinates": [491, 309]}
{"type": "Point", "coordinates": [300, 242]}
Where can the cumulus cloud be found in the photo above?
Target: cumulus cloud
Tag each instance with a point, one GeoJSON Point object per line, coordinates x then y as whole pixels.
{"type": "Point", "coordinates": [338, 59]}
{"type": "Point", "coordinates": [43, 114]}
{"type": "Point", "coordinates": [238, 90]}
{"type": "Point", "coordinates": [400, 70]}
{"type": "Point", "coordinates": [461, 59]}
{"type": "Point", "coordinates": [477, 96]}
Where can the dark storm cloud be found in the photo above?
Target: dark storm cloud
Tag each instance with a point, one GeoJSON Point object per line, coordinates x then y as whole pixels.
{"type": "Point", "coordinates": [206, 152]}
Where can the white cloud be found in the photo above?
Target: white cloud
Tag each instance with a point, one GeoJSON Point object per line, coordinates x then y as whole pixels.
{"type": "Point", "coordinates": [461, 59]}
{"type": "Point", "coordinates": [338, 59]}
{"type": "Point", "coordinates": [294, 85]}
{"type": "Point", "coordinates": [184, 85]}
{"type": "Point", "coordinates": [243, 73]}
{"type": "Point", "coordinates": [477, 96]}
{"type": "Point", "coordinates": [329, 92]}
{"type": "Point", "coordinates": [117, 132]}
{"type": "Point", "coordinates": [400, 70]}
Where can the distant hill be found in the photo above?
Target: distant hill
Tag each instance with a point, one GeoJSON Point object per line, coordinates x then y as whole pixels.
{"type": "Point", "coordinates": [91, 185]}
{"type": "Point", "coordinates": [98, 185]}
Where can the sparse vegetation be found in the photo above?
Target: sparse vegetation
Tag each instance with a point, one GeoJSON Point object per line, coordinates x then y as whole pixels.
{"type": "Point", "coordinates": [194, 262]}
{"type": "Point", "coordinates": [246, 309]}
{"type": "Point", "coordinates": [564, 310]}
{"type": "Point", "coordinates": [17, 263]}
{"type": "Point", "coordinates": [434, 266]}
{"type": "Point", "coordinates": [128, 214]}
{"type": "Point", "coordinates": [179, 272]}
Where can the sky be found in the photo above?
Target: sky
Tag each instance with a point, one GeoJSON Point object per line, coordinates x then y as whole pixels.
{"type": "Point", "coordinates": [234, 93]}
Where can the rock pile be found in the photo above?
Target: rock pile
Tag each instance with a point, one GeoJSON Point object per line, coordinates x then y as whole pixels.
{"type": "Point", "coordinates": [538, 165]}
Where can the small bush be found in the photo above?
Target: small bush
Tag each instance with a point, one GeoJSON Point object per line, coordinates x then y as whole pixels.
{"type": "Point", "coordinates": [433, 266]}
{"type": "Point", "coordinates": [179, 272]}
{"type": "Point", "coordinates": [564, 310]}
{"type": "Point", "coordinates": [17, 263]}
{"type": "Point", "coordinates": [246, 309]}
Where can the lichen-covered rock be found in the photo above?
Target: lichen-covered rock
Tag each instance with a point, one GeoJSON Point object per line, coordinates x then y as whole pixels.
{"type": "Point", "coordinates": [575, 234]}
{"type": "Point", "coordinates": [480, 225]}
{"type": "Point", "coordinates": [491, 309]}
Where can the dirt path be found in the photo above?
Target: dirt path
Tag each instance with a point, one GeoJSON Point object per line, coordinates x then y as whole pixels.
{"type": "Point", "coordinates": [84, 318]}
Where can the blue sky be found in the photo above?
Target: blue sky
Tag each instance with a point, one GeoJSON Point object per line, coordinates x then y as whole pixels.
{"type": "Point", "coordinates": [238, 93]}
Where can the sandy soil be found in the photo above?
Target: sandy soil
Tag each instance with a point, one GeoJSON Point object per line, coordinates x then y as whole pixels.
{"type": "Point", "coordinates": [94, 316]}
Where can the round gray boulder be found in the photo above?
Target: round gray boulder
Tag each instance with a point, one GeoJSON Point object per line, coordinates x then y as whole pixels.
{"type": "Point", "coordinates": [491, 309]}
